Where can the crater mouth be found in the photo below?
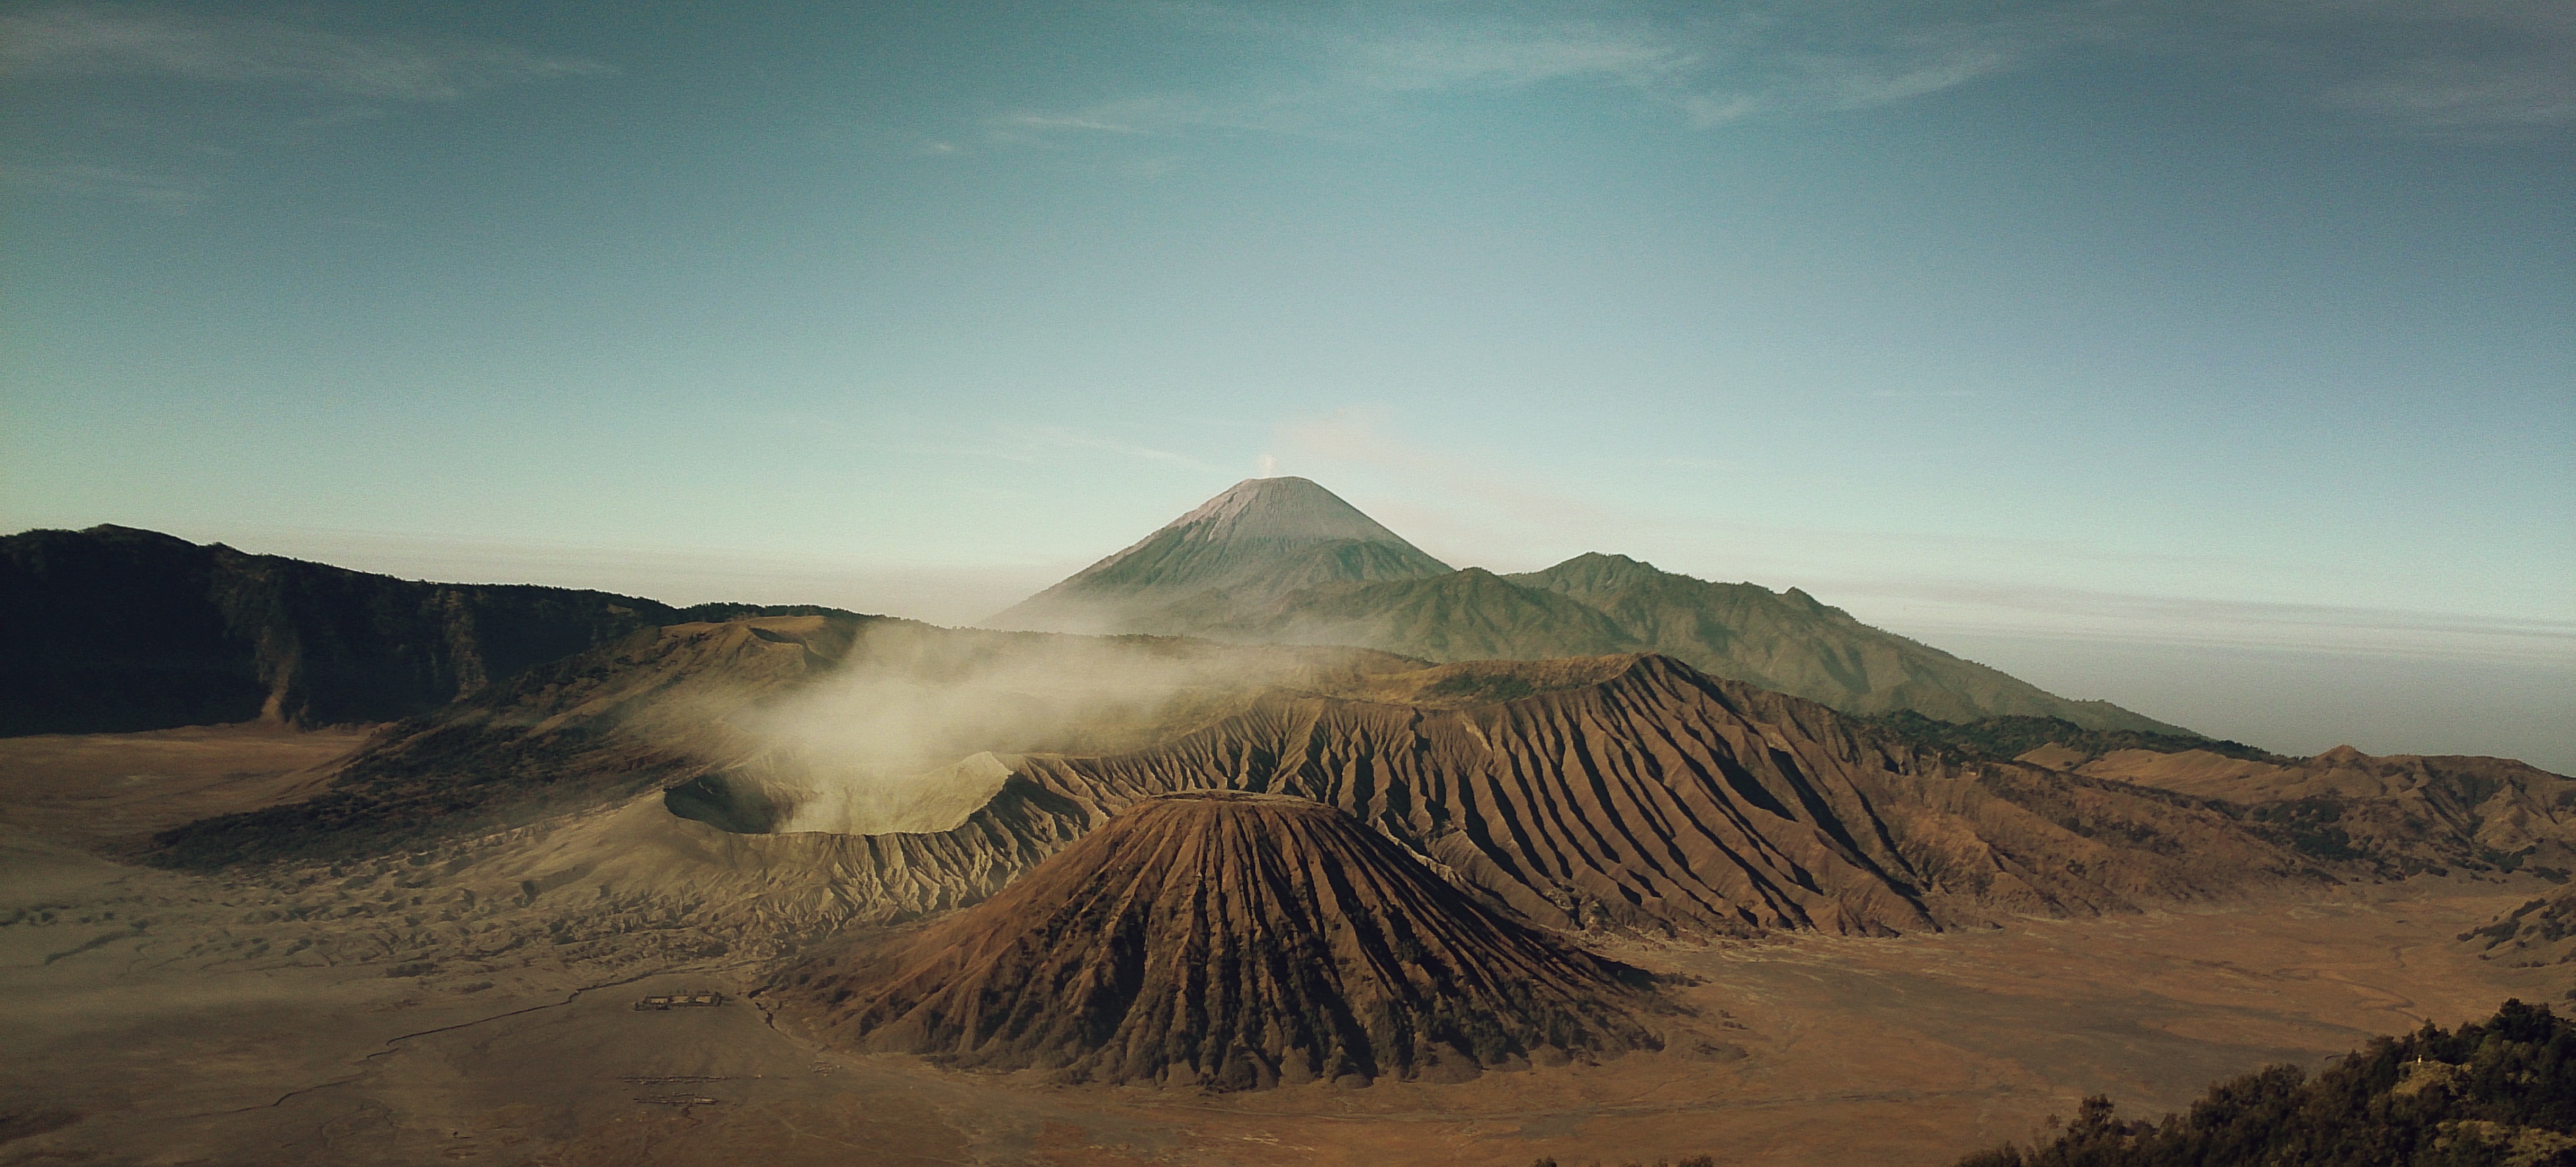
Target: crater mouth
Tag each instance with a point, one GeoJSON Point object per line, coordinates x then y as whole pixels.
{"type": "Point", "coordinates": [732, 802]}
{"type": "Point", "coordinates": [758, 800]}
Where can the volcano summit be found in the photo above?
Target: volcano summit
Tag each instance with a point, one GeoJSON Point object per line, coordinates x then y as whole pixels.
{"type": "Point", "coordinates": [1261, 539]}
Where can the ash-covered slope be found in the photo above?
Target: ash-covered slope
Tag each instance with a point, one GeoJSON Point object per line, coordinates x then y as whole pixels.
{"type": "Point", "coordinates": [1231, 941]}
{"type": "Point", "coordinates": [112, 629]}
{"type": "Point", "coordinates": [1261, 538]}
{"type": "Point", "coordinates": [1284, 561]}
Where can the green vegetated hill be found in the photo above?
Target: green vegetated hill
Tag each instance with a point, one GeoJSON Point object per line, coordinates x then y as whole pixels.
{"type": "Point", "coordinates": [114, 629]}
{"type": "Point", "coordinates": [2017, 736]}
{"type": "Point", "coordinates": [2499, 1092]}
{"type": "Point", "coordinates": [1283, 560]}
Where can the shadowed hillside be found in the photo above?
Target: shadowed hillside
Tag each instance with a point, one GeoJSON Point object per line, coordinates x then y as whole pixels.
{"type": "Point", "coordinates": [114, 629]}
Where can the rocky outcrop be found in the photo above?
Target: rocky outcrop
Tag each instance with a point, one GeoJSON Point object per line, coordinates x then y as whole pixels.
{"type": "Point", "coordinates": [1229, 941]}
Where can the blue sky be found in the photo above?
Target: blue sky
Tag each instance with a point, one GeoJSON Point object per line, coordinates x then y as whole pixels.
{"type": "Point", "coordinates": [2217, 359]}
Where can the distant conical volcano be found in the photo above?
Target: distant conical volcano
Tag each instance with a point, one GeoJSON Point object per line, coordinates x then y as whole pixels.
{"type": "Point", "coordinates": [1231, 941]}
{"type": "Point", "coordinates": [1284, 561]}
{"type": "Point", "coordinates": [1261, 539]}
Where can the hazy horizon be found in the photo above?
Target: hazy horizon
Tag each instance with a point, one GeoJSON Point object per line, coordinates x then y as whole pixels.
{"type": "Point", "coordinates": [2211, 360]}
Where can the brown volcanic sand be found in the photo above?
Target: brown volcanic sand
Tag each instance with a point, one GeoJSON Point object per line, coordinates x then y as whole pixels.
{"type": "Point", "coordinates": [106, 785]}
{"type": "Point", "coordinates": [1901, 1051]}
{"type": "Point", "coordinates": [145, 1003]}
{"type": "Point", "coordinates": [1233, 941]}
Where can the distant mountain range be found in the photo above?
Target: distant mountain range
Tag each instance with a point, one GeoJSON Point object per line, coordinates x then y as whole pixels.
{"type": "Point", "coordinates": [1283, 560]}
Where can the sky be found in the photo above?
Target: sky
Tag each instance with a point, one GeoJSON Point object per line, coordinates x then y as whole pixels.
{"type": "Point", "coordinates": [2214, 359]}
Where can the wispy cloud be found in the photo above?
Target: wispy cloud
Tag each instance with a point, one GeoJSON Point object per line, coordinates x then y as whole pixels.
{"type": "Point", "coordinates": [1310, 76]}
{"type": "Point", "coordinates": [293, 82]}
{"type": "Point", "coordinates": [63, 43]}
{"type": "Point", "coordinates": [1506, 55]}
{"type": "Point", "coordinates": [1096, 122]}
{"type": "Point", "coordinates": [2432, 65]}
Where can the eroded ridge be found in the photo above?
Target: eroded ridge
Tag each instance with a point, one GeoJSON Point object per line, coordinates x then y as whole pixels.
{"type": "Point", "coordinates": [1663, 800]}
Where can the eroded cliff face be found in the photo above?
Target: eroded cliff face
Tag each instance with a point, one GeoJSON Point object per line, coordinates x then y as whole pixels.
{"type": "Point", "coordinates": [1229, 941]}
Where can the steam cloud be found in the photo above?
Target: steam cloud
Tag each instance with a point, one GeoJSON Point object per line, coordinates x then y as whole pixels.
{"type": "Point", "coordinates": [916, 730]}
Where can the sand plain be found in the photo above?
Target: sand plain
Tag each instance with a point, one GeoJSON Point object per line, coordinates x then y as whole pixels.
{"type": "Point", "coordinates": [166, 1018]}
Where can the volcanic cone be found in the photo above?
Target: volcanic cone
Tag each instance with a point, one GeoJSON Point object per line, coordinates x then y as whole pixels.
{"type": "Point", "coordinates": [1231, 941]}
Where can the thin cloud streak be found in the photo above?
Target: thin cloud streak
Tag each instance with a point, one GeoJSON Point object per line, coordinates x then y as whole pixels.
{"type": "Point", "coordinates": [170, 196]}
{"type": "Point", "coordinates": [1712, 70]}
{"type": "Point", "coordinates": [2443, 95]}
{"type": "Point", "coordinates": [66, 43]}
